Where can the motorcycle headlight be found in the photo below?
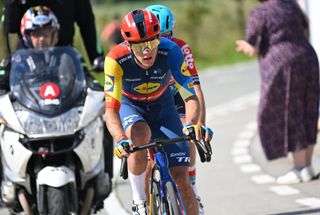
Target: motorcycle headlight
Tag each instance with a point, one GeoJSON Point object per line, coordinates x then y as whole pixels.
{"type": "Point", "coordinates": [36, 125]}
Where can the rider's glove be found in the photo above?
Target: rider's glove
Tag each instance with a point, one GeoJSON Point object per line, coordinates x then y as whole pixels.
{"type": "Point", "coordinates": [192, 130]}
{"type": "Point", "coordinates": [207, 133]}
{"type": "Point", "coordinates": [98, 64]}
{"type": "Point", "coordinates": [122, 145]}
{"type": "Point", "coordinates": [202, 136]}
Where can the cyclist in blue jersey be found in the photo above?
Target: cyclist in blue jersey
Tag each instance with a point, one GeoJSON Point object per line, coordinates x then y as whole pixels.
{"type": "Point", "coordinates": [167, 24]}
{"type": "Point", "coordinates": [140, 106]}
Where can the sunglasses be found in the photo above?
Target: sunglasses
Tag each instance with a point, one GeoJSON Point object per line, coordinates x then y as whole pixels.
{"type": "Point", "coordinates": [45, 32]}
{"type": "Point", "coordinates": [140, 47]}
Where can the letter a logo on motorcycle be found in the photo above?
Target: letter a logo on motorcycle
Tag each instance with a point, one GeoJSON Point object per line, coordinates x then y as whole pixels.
{"type": "Point", "coordinates": [49, 91]}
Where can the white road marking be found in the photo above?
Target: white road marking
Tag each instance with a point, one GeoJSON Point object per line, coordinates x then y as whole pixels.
{"type": "Point", "coordinates": [247, 134]}
{"type": "Point", "coordinates": [239, 151]}
{"type": "Point", "coordinates": [309, 202]}
{"type": "Point", "coordinates": [263, 179]}
{"type": "Point", "coordinates": [251, 126]}
{"type": "Point", "coordinates": [284, 190]}
{"type": "Point", "coordinates": [242, 143]}
{"type": "Point", "coordinates": [242, 159]}
{"type": "Point", "coordinates": [235, 105]}
{"type": "Point", "coordinates": [250, 168]}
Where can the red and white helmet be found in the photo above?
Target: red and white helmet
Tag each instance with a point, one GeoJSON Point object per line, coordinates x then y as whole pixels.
{"type": "Point", "coordinates": [38, 17]}
{"type": "Point", "coordinates": [139, 25]}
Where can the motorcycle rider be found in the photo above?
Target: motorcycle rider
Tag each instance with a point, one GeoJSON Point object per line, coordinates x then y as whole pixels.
{"type": "Point", "coordinates": [39, 28]}
{"type": "Point", "coordinates": [139, 104]}
{"type": "Point", "coordinates": [167, 22]}
{"type": "Point", "coordinates": [68, 13]}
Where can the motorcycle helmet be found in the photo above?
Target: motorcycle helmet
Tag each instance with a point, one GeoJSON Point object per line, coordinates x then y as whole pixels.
{"type": "Point", "coordinates": [165, 17]}
{"type": "Point", "coordinates": [139, 25]}
{"type": "Point", "coordinates": [35, 18]}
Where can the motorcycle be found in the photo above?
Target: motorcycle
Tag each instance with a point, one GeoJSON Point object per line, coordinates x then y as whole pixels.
{"type": "Point", "coordinates": [51, 136]}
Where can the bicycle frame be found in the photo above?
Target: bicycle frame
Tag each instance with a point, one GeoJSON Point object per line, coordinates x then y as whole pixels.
{"type": "Point", "coordinates": [161, 163]}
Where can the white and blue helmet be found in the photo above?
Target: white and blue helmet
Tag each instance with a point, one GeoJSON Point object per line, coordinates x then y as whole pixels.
{"type": "Point", "coordinates": [38, 17]}
{"type": "Point", "coordinates": [165, 17]}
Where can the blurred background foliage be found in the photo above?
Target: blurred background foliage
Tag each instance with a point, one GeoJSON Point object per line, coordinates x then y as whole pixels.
{"type": "Point", "coordinates": [209, 26]}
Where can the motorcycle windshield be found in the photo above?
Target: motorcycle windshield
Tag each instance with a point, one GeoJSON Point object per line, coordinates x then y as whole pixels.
{"type": "Point", "coordinates": [47, 81]}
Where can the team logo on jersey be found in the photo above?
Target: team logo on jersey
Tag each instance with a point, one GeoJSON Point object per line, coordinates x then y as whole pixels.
{"type": "Point", "coordinates": [108, 83]}
{"type": "Point", "coordinates": [49, 91]}
{"type": "Point", "coordinates": [184, 69]}
{"type": "Point", "coordinates": [108, 99]}
{"type": "Point", "coordinates": [147, 88]}
{"type": "Point", "coordinates": [190, 85]}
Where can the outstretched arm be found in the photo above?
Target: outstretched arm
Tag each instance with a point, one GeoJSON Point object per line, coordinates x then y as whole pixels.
{"type": "Point", "coordinates": [246, 48]}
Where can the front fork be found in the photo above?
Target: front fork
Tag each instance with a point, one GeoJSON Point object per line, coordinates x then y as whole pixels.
{"type": "Point", "coordinates": [162, 166]}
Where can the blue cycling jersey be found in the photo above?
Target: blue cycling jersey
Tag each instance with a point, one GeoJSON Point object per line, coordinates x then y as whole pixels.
{"type": "Point", "coordinates": [143, 95]}
{"type": "Point", "coordinates": [124, 77]}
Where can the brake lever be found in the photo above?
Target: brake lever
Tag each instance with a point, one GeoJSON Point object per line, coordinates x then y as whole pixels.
{"type": "Point", "coordinates": [200, 152]}
{"type": "Point", "coordinates": [204, 149]}
{"type": "Point", "coordinates": [192, 134]}
{"type": "Point", "coordinates": [124, 168]}
{"type": "Point", "coordinates": [124, 163]}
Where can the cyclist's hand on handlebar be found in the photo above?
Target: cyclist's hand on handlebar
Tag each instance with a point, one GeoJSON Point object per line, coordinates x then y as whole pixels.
{"type": "Point", "coordinates": [193, 131]}
{"type": "Point", "coordinates": [122, 147]}
{"type": "Point", "coordinates": [202, 136]}
{"type": "Point", "coordinates": [207, 133]}
{"type": "Point", "coordinates": [198, 132]}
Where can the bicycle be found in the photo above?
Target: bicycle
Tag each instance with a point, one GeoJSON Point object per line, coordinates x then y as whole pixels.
{"type": "Point", "coordinates": [164, 194]}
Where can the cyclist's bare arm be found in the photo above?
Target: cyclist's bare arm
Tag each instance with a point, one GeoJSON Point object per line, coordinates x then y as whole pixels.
{"type": "Point", "coordinates": [199, 93]}
{"type": "Point", "coordinates": [192, 111]}
{"type": "Point", "coordinates": [114, 123]}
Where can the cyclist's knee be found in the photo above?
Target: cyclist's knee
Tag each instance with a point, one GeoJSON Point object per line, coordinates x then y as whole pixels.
{"type": "Point", "coordinates": [181, 176]}
{"type": "Point", "coordinates": [139, 133]}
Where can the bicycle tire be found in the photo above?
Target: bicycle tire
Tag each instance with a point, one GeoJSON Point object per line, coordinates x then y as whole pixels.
{"type": "Point", "coordinates": [155, 201]}
{"type": "Point", "coordinates": [172, 207]}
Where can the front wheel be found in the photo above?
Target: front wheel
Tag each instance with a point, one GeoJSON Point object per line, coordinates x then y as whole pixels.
{"type": "Point", "coordinates": [155, 201]}
{"type": "Point", "coordinates": [57, 200]}
{"type": "Point", "coordinates": [172, 206]}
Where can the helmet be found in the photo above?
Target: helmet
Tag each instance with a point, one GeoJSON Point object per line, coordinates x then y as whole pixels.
{"type": "Point", "coordinates": [165, 17]}
{"type": "Point", "coordinates": [139, 25]}
{"type": "Point", "coordinates": [35, 18]}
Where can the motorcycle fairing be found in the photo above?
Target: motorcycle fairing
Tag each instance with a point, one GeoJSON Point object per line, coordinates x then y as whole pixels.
{"type": "Point", "coordinates": [47, 81]}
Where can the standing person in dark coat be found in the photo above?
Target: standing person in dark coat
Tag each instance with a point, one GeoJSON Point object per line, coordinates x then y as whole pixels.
{"type": "Point", "coordinates": [288, 110]}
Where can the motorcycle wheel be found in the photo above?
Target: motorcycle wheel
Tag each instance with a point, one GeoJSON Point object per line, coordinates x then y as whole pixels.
{"type": "Point", "coordinates": [57, 200]}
